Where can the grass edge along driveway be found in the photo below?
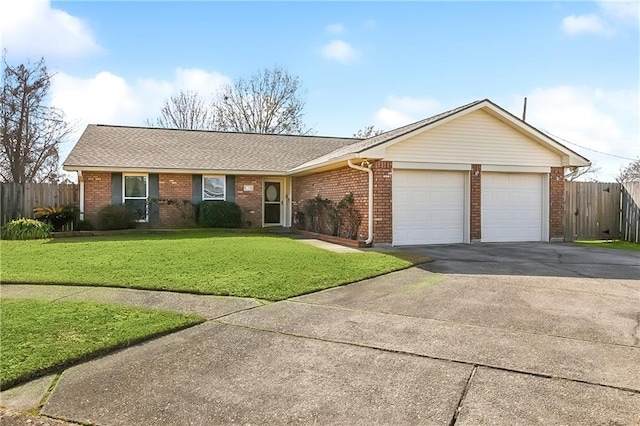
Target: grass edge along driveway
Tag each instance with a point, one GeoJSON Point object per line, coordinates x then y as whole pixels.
{"type": "Point", "coordinates": [610, 244]}
{"type": "Point", "coordinates": [41, 336]}
{"type": "Point", "coordinates": [258, 265]}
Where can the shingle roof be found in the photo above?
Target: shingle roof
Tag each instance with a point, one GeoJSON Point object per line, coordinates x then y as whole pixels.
{"type": "Point", "coordinates": [365, 144]}
{"type": "Point", "coordinates": [151, 148]}
{"type": "Point", "coordinates": [123, 147]}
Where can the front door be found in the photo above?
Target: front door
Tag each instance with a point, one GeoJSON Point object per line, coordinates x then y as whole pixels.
{"type": "Point", "coordinates": [272, 203]}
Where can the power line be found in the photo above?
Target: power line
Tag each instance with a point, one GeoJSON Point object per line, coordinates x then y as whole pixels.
{"type": "Point", "coordinates": [588, 149]}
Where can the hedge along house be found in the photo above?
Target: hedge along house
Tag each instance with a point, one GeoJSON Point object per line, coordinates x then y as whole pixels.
{"type": "Point", "coordinates": [474, 173]}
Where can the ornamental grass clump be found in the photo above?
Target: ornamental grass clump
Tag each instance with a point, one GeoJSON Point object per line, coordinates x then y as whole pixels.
{"type": "Point", "coordinates": [57, 216]}
{"type": "Point", "coordinates": [25, 229]}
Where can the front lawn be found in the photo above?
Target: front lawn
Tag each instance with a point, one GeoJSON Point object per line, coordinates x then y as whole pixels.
{"type": "Point", "coordinates": [257, 265]}
{"type": "Point", "coordinates": [41, 336]}
{"type": "Point", "coordinates": [614, 244]}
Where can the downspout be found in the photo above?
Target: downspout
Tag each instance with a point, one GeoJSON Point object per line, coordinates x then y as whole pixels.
{"type": "Point", "coordinates": [81, 185]}
{"type": "Point", "coordinates": [370, 172]}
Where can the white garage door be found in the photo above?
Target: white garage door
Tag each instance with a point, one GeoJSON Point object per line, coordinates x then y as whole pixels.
{"type": "Point", "coordinates": [428, 207]}
{"type": "Point", "coordinates": [511, 207]}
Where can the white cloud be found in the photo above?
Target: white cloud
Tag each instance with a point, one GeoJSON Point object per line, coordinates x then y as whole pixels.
{"type": "Point", "coordinates": [621, 10]}
{"type": "Point", "coordinates": [34, 28]}
{"type": "Point", "coordinates": [574, 25]}
{"type": "Point", "coordinates": [399, 111]}
{"type": "Point", "coordinates": [596, 119]}
{"type": "Point", "coordinates": [612, 17]}
{"type": "Point", "coordinates": [388, 118]}
{"type": "Point", "coordinates": [340, 51]}
{"type": "Point", "coordinates": [335, 28]}
{"type": "Point", "coordinates": [107, 98]}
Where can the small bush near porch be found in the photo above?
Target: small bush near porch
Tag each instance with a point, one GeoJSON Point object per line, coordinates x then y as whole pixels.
{"type": "Point", "coordinates": [216, 262]}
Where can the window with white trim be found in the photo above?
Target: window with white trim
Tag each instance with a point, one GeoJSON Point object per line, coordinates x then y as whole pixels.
{"type": "Point", "coordinates": [135, 192]}
{"type": "Point", "coordinates": [213, 187]}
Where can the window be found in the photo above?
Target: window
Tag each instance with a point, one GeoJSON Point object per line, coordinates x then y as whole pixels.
{"type": "Point", "coordinates": [136, 190]}
{"type": "Point", "coordinates": [213, 188]}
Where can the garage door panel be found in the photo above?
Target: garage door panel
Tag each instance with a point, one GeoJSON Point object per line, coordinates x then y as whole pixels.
{"type": "Point", "coordinates": [428, 207]}
{"type": "Point", "coordinates": [511, 207]}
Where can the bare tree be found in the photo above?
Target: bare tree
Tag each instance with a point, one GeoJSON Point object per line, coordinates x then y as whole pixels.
{"type": "Point", "coordinates": [588, 173]}
{"type": "Point", "coordinates": [630, 172]}
{"type": "Point", "coordinates": [187, 110]}
{"type": "Point", "coordinates": [31, 131]}
{"type": "Point", "coordinates": [267, 102]}
{"type": "Point", "coordinates": [367, 132]}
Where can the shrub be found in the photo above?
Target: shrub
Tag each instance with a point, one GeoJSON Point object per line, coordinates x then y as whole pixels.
{"type": "Point", "coordinates": [117, 217]}
{"type": "Point", "coordinates": [84, 225]}
{"type": "Point", "coordinates": [218, 214]}
{"type": "Point", "coordinates": [349, 218]}
{"type": "Point", "coordinates": [57, 216]}
{"type": "Point", "coordinates": [326, 217]}
{"type": "Point", "coordinates": [25, 229]}
{"type": "Point", "coordinates": [321, 216]}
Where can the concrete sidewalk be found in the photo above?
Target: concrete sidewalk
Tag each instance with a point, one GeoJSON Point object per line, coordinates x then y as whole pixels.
{"type": "Point", "coordinates": [209, 307]}
{"type": "Point", "coordinates": [411, 347]}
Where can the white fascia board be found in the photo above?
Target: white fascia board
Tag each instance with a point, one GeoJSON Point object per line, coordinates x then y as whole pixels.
{"type": "Point", "coordinates": [515, 169]}
{"type": "Point", "coordinates": [431, 166]}
{"type": "Point", "coordinates": [70, 168]}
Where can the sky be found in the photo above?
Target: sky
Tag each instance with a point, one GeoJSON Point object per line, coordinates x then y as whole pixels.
{"type": "Point", "coordinates": [360, 63]}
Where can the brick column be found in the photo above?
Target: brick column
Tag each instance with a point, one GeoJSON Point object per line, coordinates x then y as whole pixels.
{"type": "Point", "coordinates": [250, 202]}
{"type": "Point", "coordinates": [177, 188]}
{"type": "Point", "coordinates": [382, 214]}
{"type": "Point", "coordinates": [556, 203]}
{"type": "Point", "coordinates": [476, 197]}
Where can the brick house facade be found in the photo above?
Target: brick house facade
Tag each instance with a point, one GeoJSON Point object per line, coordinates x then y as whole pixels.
{"type": "Point", "coordinates": [306, 167]}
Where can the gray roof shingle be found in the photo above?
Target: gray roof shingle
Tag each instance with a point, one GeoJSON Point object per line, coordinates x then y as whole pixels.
{"type": "Point", "coordinates": [152, 148]}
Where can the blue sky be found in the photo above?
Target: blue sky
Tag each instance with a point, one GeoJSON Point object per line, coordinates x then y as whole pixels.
{"type": "Point", "coordinates": [382, 63]}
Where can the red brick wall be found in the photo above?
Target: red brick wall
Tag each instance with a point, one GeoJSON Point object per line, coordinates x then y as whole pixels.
{"type": "Point", "coordinates": [556, 203]}
{"type": "Point", "coordinates": [476, 197]}
{"type": "Point", "coordinates": [250, 202]}
{"type": "Point", "coordinates": [97, 193]}
{"type": "Point", "coordinates": [335, 184]}
{"type": "Point", "coordinates": [176, 187]}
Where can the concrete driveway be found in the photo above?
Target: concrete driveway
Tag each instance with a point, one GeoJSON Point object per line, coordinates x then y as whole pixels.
{"type": "Point", "coordinates": [487, 334]}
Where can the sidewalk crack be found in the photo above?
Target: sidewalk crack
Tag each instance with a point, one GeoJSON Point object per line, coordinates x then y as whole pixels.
{"type": "Point", "coordinates": [456, 413]}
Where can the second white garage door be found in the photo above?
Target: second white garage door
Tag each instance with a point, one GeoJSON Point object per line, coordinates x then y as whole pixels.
{"type": "Point", "coordinates": [511, 207]}
{"type": "Point", "coordinates": [428, 207]}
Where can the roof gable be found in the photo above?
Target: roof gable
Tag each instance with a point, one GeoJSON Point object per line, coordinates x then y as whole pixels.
{"type": "Point", "coordinates": [473, 138]}
{"type": "Point", "coordinates": [569, 157]}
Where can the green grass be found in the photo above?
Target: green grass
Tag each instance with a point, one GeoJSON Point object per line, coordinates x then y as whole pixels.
{"type": "Point", "coordinates": [43, 336]}
{"type": "Point", "coordinates": [614, 244]}
{"type": "Point", "coordinates": [215, 262]}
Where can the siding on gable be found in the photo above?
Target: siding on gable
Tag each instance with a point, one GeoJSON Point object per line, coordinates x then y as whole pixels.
{"type": "Point", "coordinates": [476, 138]}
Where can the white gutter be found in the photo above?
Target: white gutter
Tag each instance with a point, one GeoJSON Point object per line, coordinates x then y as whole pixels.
{"type": "Point", "coordinates": [370, 172]}
{"type": "Point", "coordinates": [81, 184]}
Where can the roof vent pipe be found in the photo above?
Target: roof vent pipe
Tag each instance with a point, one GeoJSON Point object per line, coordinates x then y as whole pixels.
{"type": "Point", "coordinates": [367, 169]}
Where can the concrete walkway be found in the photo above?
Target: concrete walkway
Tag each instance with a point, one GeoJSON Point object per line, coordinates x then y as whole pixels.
{"type": "Point", "coordinates": [510, 344]}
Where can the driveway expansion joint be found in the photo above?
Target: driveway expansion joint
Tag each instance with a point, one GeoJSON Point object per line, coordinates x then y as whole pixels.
{"type": "Point", "coordinates": [447, 321]}
{"type": "Point", "coordinates": [456, 361]}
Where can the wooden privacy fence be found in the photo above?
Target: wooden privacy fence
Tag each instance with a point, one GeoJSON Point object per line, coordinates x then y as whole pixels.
{"type": "Point", "coordinates": [596, 210]}
{"type": "Point", "coordinates": [630, 212]}
{"type": "Point", "coordinates": [19, 200]}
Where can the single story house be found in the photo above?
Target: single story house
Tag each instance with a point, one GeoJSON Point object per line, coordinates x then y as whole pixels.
{"type": "Point", "coordinates": [474, 173]}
